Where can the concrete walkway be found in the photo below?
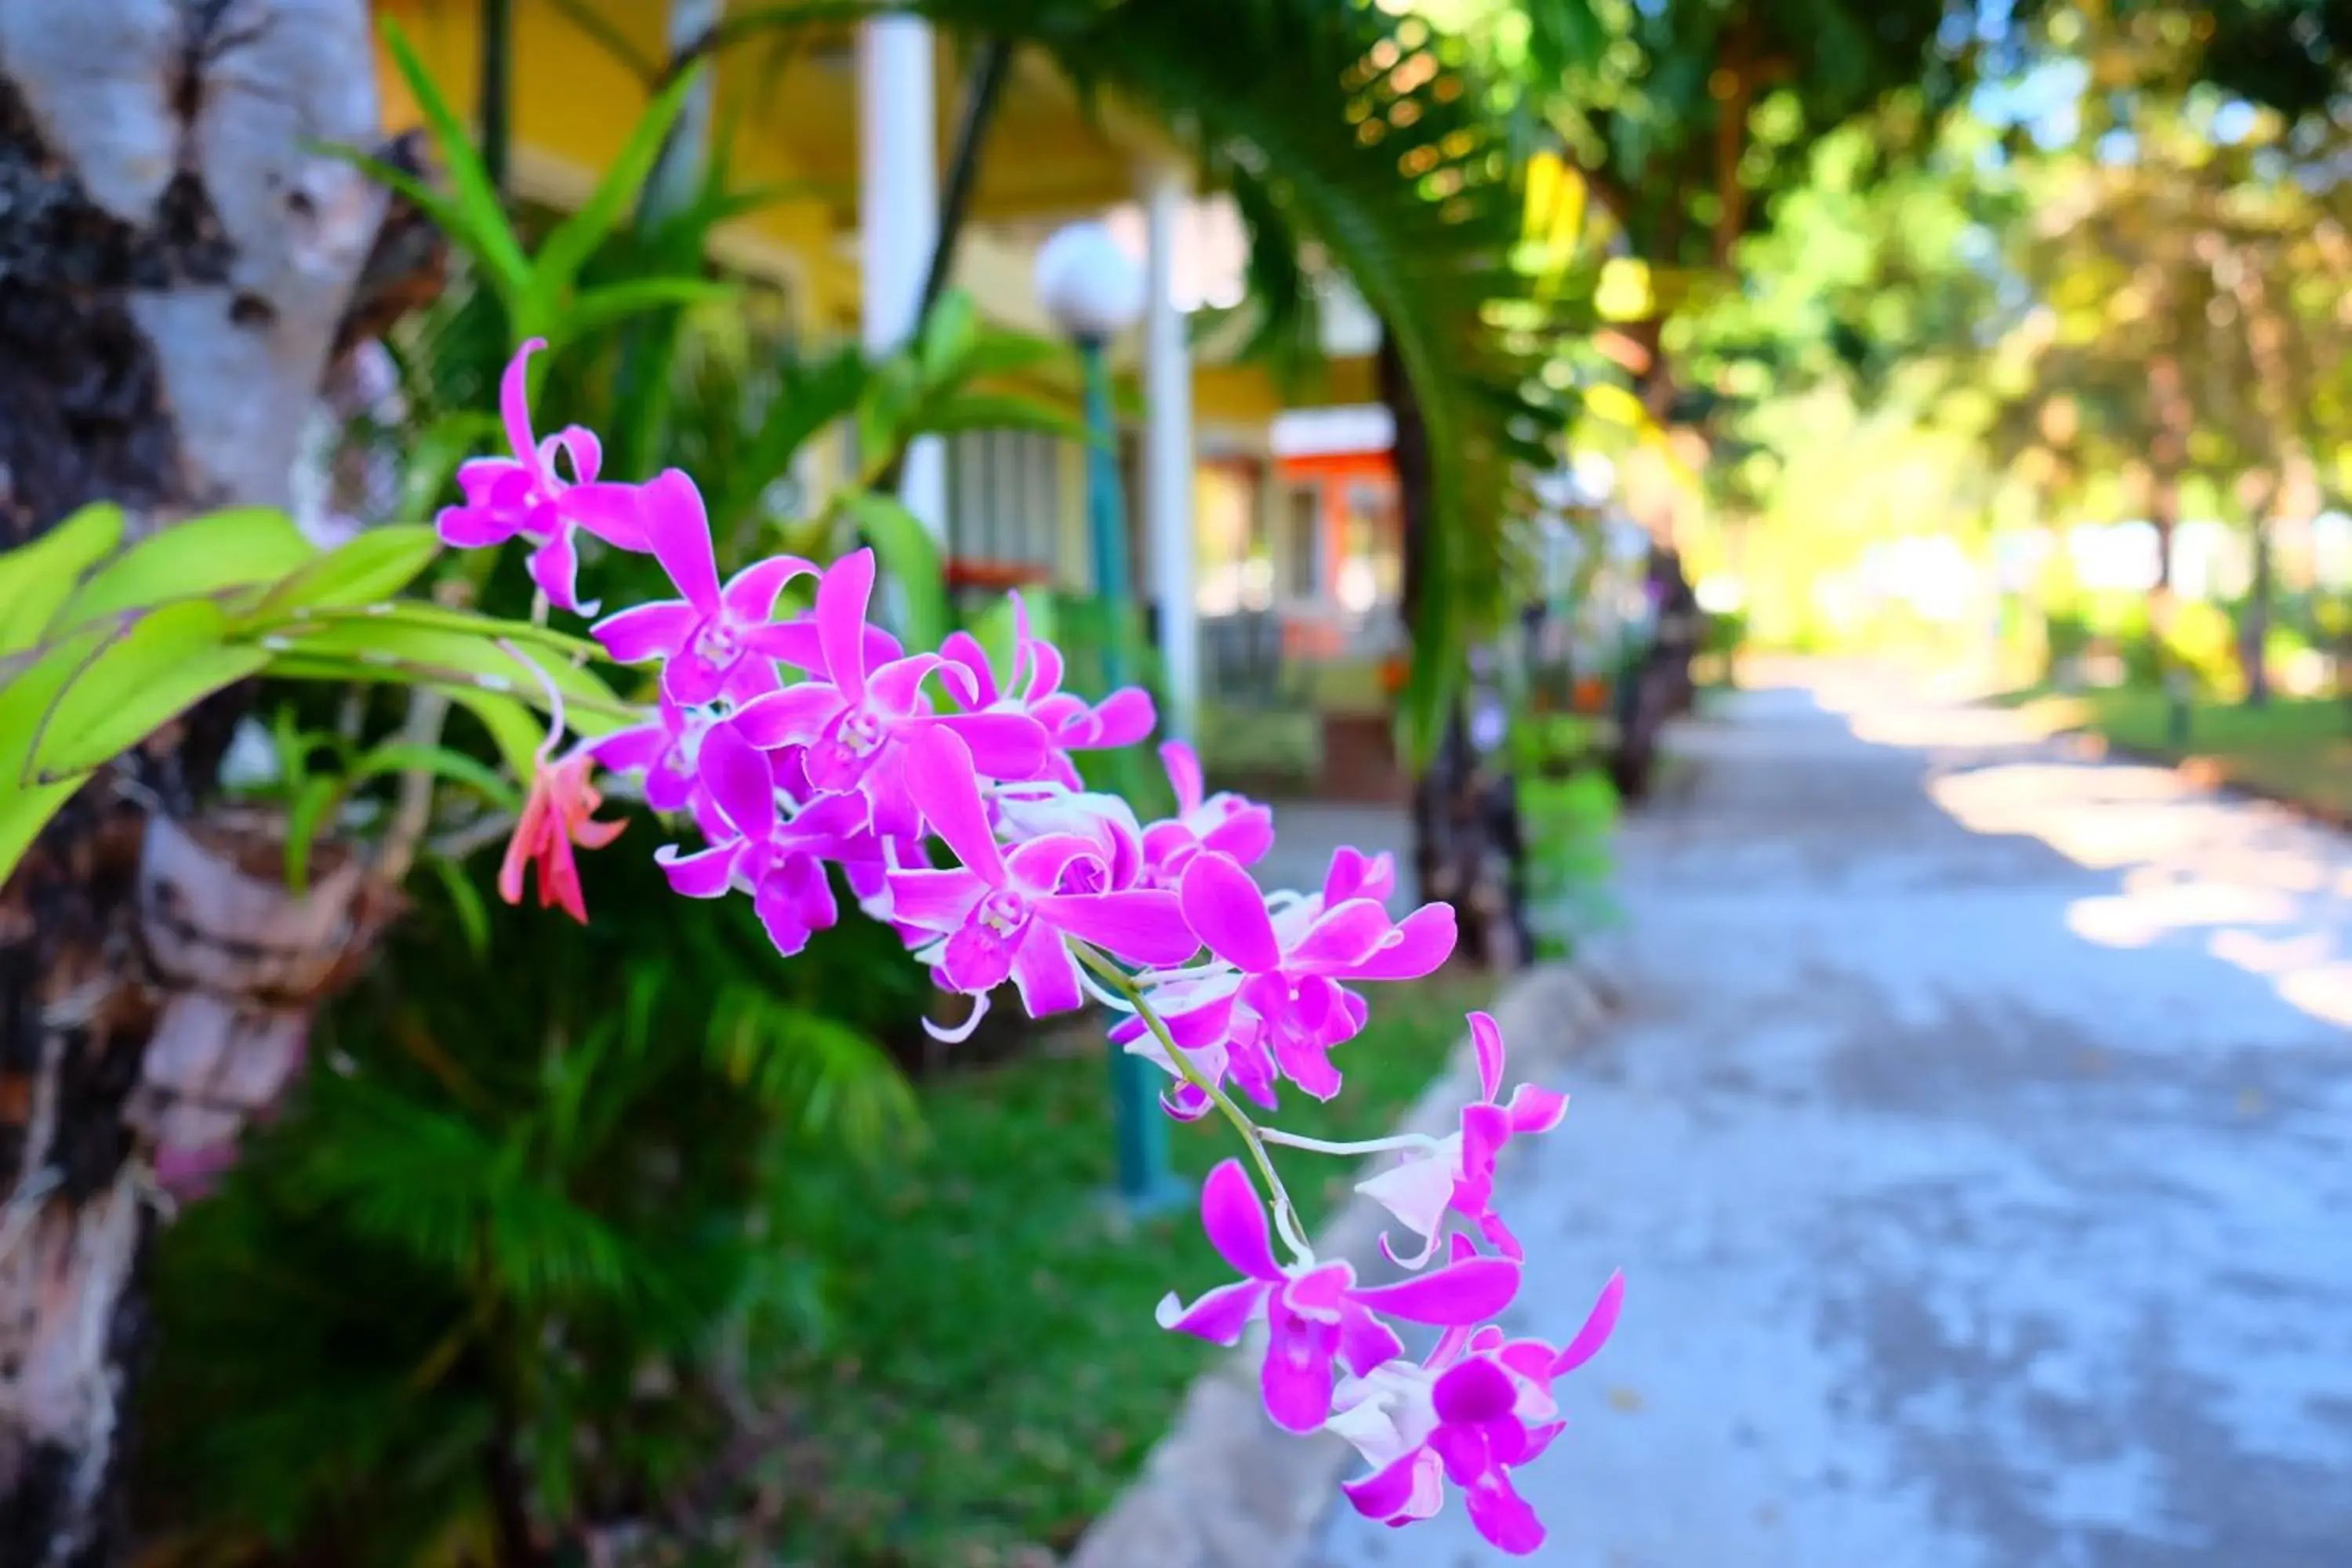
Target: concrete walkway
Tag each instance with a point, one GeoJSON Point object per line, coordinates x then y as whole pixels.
{"type": "Point", "coordinates": [1978, 1145]}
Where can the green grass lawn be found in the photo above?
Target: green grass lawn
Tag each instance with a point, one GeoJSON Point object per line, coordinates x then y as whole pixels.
{"type": "Point", "coordinates": [994, 1375]}
{"type": "Point", "coordinates": [2298, 748]}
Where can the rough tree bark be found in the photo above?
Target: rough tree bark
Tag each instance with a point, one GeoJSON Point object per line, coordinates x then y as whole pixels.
{"type": "Point", "coordinates": [177, 260]}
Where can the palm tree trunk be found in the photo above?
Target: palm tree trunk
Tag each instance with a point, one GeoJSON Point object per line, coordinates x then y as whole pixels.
{"type": "Point", "coordinates": [1467, 847]}
{"type": "Point", "coordinates": [175, 262]}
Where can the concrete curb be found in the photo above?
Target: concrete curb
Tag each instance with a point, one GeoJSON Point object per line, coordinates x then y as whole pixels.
{"type": "Point", "coordinates": [1226, 1488]}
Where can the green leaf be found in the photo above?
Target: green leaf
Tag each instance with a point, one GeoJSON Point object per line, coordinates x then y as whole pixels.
{"type": "Point", "coordinates": [441, 761]}
{"type": "Point", "coordinates": [911, 557]}
{"type": "Point", "coordinates": [477, 220]}
{"type": "Point", "coordinates": [162, 665]}
{"type": "Point", "coordinates": [315, 804]}
{"type": "Point", "coordinates": [806, 403]}
{"type": "Point", "coordinates": [234, 549]}
{"type": "Point", "coordinates": [999, 351]}
{"type": "Point", "coordinates": [364, 571]}
{"type": "Point", "coordinates": [948, 335]}
{"type": "Point", "coordinates": [513, 730]}
{"type": "Point", "coordinates": [997, 411]}
{"type": "Point", "coordinates": [464, 903]}
{"type": "Point", "coordinates": [27, 805]}
{"type": "Point", "coordinates": [889, 395]}
{"type": "Point", "coordinates": [569, 245]}
{"type": "Point", "coordinates": [593, 309]}
{"type": "Point", "coordinates": [35, 578]}
{"type": "Point", "coordinates": [371, 648]}
{"type": "Point", "coordinates": [542, 642]}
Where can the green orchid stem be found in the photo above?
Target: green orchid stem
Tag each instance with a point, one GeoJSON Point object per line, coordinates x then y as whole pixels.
{"type": "Point", "coordinates": [1365, 1146]}
{"type": "Point", "coordinates": [1286, 1215]}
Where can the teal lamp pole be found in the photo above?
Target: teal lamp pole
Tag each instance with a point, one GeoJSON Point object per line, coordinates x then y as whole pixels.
{"type": "Point", "coordinates": [1093, 293]}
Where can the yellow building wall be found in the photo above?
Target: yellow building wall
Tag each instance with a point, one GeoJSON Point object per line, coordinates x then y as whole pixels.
{"type": "Point", "coordinates": [576, 103]}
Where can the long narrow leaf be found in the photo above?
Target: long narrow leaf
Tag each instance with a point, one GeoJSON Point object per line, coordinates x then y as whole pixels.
{"type": "Point", "coordinates": [570, 244]}
{"type": "Point", "coordinates": [36, 579]}
{"type": "Point", "coordinates": [481, 221]}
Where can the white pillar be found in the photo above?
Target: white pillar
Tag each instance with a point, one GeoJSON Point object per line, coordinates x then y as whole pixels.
{"type": "Point", "coordinates": [1168, 477]}
{"type": "Point", "coordinates": [898, 217]}
{"type": "Point", "coordinates": [677, 171]}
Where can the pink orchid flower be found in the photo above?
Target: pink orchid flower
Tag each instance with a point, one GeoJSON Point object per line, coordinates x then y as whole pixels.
{"type": "Point", "coordinates": [1317, 1314]}
{"type": "Point", "coordinates": [780, 862]}
{"type": "Point", "coordinates": [1480, 1406]}
{"type": "Point", "coordinates": [1006, 914]}
{"type": "Point", "coordinates": [1224, 823]}
{"type": "Point", "coordinates": [1035, 810]}
{"type": "Point", "coordinates": [524, 495]}
{"type": "Point", "coordinates": [855, 722]}
{"type": "Point", "coordinates": [1289, 998]}
{"type": "Point", "coordinates": [1459, 1174]}
{"type": "Point", "coordinates": [558, 813]}
{"type": "Point", "coordinates": [663, 750]}
{"type": "Point", "coordinates": [1071, 724]}
{"type": "Point", "coordinates": [715, 640]}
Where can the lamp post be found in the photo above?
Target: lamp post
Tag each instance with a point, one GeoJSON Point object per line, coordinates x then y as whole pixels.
{"type": "Point", "coordinates": [1093, 293]}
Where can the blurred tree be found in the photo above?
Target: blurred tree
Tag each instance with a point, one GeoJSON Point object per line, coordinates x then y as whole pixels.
{"type": "Point", "coordinates": [169, 327]}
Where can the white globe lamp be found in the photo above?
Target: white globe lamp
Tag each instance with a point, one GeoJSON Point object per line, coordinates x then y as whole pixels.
{"type": "Point", "coordinates": [1086, 283]}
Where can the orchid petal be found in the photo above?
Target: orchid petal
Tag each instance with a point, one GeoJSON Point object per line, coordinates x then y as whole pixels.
{"type": "Point", "coordinates": [1039, 864]}
{"type": "Point", "coordinates": [1183, 765]}
{"type": "Point", "coordinates": [1295, 1379]}
{"type": "Point", "coordinates": [1341, 939]}
{"type": "Point", "coordinates": [896, 687]}
{"type": "Point", "coordinates": [634, 750]}
{"type": "Point", "coordinates": [1227, 911]}
{"type": "Point", "coordinates": [1598, 1324]}
{"type": "Point", "coordinates": [1045, 973]}
{"type": "Point", "coordinates": [1534, 1109]}
{"type": "Point", "coordinates": [1235, 1219]}
{"type": "Point", "coordinates": [704, 873]}
{"type": "Point", "coordinates": [965, 667]}
{"type": "Point", "coordinates": [1122, 718]}
{"type": "Point", "coordinates": [841, 599]}
{"type": "Point", "coordinates": [1474, 1393]}
{"type": "Point", "coordinates": [788, 912]}
{"type": "Point", "coordinates": [1412, 1488]}
{"type": "Point", "coordinates": [692, 676]}
{"type": "Point", "coordinates": [1487, 1041]}
{"type": "Point", "coordinates": [975, 958]}
{"type": "Point", "coordinates": [1456, 1294]}
{"type": "Point", "coordinates": [739, 781]}
{"type": "Point", "coordinates": [514, 405]}
{"type": "Point", "coordinates": [939, 776]}
{"type": "Point", "coordinates": [1366, 1342]}
{"type": "Point", "coordinates": [1501, 1515]}
{"type": "Point", "coordinates": [1415, 1190]}
{"type": "Point", "coordinates": [554, 567]}
{"type": "Point", "coordinates": [657, 630]}
{"type": "Point", "coordinates": [678, 529]}
{"type": "Point", "coordinates": [935, 900]}
{"type": "Point", "coordinates": [1246, 835]}
{"type": "Point", "coordinates": [794, 716]}
{"type": "Point", "coordinates": [1010, 747]}
{"type": "Point", "coordinates": [613, 512]}
{"type": "Point", "coordinates": [749, 595]}
{"type": "Point", "coordinates": [1220, 1317]}
{"type": "Point", "coordinates": [578, 443]}
{"type": "Point", "coordinates": [1140, 925]}
{"type": "Point", "coordinates": [1421, 944]}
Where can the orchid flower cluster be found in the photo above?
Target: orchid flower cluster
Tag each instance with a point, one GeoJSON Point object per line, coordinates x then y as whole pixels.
{"type": "Point", "coordinates": [871, 757]}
